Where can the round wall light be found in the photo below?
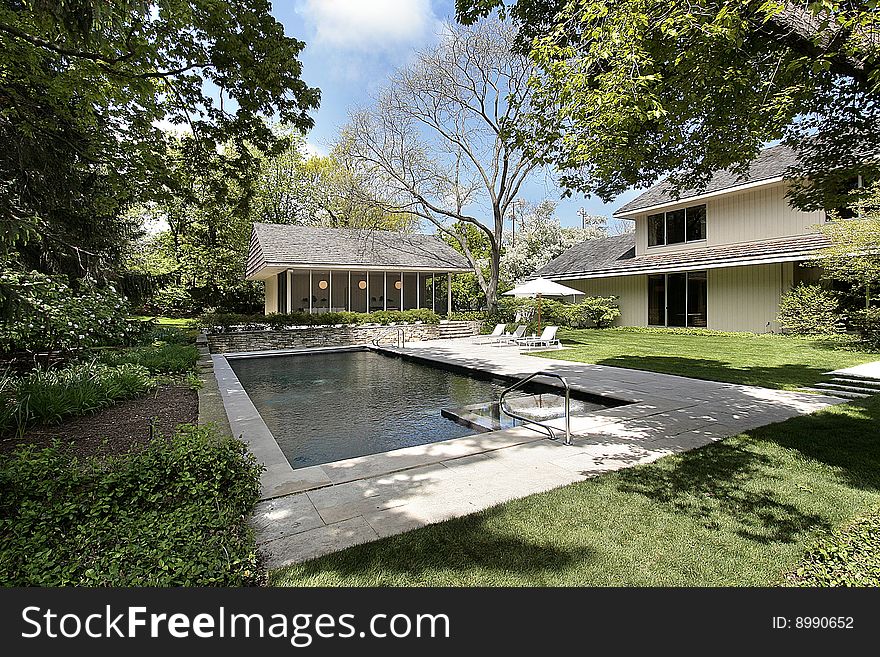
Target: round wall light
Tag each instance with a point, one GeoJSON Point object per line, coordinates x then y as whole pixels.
{"type": "Point", "coordinates": [362, 285]}
{"type": "Point", "coordinates": [398, 284]}
{"type": "Point", "coordinates": [322, 285]}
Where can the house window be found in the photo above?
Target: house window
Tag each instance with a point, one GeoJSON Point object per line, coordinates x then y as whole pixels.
{"type": "Point", "coordinates": [282, 292]}
{"type": "Point", "coordinates": [677, 226]}
{"type": "Point", "coordinates": [678, 299]}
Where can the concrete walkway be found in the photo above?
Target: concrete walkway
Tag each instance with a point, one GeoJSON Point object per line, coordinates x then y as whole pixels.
{"type": "Point", "coordinates": [865, 371]}
{"type": "Point", "coordinates": [349, 502]}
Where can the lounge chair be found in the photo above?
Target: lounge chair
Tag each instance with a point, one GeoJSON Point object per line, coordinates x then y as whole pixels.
{"type": "Point", "coordinates": [496, 333]}
{"type": "Point", "coordinates": [546, 339]}
{"type": "Point", "coordinates": [511, 338]}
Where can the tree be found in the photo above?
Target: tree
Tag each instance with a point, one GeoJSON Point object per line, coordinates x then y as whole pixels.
{"type": "Point", "coordinates": [636, 89]}
{"type": "Point", "coordinates": [84, 87]}
{"type": "Point", "coordinates": [540, 239]}
{"type": "Point", "coordinates": [440, 142]}
{"type": "Point", "coordinates": [295, 188]}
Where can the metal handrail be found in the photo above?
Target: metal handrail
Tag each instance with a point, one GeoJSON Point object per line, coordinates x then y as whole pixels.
{"type": "Point", "coordinates": [401, 336]}
{"type": "Point", "coordinates": [546, 427]}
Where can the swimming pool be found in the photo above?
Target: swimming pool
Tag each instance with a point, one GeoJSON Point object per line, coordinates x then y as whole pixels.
{"type": "Point", "coordinates": [332, 406]}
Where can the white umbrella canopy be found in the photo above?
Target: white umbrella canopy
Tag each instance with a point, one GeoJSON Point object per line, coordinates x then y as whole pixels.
{"type": "Point", "coordinates": [542, 287]}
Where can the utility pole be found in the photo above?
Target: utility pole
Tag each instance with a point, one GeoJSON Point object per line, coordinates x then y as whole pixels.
{"type": "Point", "coordinates": [582, 213]}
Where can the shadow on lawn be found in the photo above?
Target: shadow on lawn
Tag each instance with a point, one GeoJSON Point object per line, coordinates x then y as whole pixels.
{"type": "Point", "coordinates": [463, 544]}
{"type": "Point", "coordinates": [790, 375]}
{"type": "Point", "coordinates": [742, 481]}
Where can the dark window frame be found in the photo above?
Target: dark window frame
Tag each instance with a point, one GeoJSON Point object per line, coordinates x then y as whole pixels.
{"type": "Point", "coordinates": [665, 215]}
{"type": "Point", "coordinates": [664, 310]}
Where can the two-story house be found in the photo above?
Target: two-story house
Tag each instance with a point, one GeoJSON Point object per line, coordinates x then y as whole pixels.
{"type": "Point", "coordinates": [718, 258]}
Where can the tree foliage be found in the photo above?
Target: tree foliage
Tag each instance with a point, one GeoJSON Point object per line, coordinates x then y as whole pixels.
{"type": "Point", "coordinates": [632, 90]}
{"type": "Point", "coordinates": [539, 239]}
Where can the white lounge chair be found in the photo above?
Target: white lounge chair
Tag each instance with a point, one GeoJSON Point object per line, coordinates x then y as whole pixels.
{"type": "Point", "coordinates": [497, 332]}
{"type": "Point", "coordinates": [511, 338]}
{"type": "Point", "coordinates": [546, 339]}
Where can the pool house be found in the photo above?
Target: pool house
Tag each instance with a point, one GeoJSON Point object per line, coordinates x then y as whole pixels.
{"type": "Point", "coordinates": [319, 270]}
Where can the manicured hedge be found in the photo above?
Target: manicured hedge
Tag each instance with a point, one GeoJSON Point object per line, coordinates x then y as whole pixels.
{"type": "Point", "coordinates": [173, 514]}
{"type": "Point", "coordinates": [158, 358]}
{"type": "Point", "coordinates": [225, 322]}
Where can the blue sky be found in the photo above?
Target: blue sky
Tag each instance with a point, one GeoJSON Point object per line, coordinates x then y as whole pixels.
{"type": "Point", "coordinates": [354, 45]}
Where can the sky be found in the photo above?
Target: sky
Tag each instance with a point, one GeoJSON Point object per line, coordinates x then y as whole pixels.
{"type": "Point", "coordinates": [353, 46]}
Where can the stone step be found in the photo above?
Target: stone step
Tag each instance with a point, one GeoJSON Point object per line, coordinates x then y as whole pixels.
{"type": "Point", "coordinates": [857, 381]}
{"type": "Point", "coordinates": [845, 388]}
{"type": "Point", "coordinates": [836, 393]}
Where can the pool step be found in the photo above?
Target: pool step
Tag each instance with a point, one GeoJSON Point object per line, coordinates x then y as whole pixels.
{"type": "Point", "coordinates": [456, 329]}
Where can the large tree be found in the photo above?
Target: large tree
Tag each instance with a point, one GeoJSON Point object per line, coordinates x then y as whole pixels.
{"type": "Point", "coordinates": [631, 90]}
{"type": "Point", "coordinates": [440, 142]}
{"type": "Point", "coordinates": [84, 88]}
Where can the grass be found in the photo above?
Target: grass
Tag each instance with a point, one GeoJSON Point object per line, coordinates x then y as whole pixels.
{"type": "Point", "coordinates": [157, 358]}
{"type": "Point", "coordinates": [739, 512]}
{"type": "Point", "coordinates": [771, 361]}
{"type": "Point", "coordinates": [177, 322]}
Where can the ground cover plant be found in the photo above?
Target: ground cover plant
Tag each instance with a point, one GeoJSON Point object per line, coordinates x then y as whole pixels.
{"type": "Point", "coordinates": [173, 514]}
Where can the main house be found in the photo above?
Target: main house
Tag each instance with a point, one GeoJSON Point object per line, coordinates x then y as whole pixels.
{"type": "Point", "coordinates": [318, 270]}
{"type": "Point", "coordinates": [718, 258]}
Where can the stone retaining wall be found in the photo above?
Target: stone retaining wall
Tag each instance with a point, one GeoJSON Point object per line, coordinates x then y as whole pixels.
{"type": "Point", "coordinates": [324, 336]}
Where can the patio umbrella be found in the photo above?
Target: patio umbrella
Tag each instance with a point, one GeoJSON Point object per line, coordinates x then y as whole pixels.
{"type": "Point", "coordinates": [542, 287]}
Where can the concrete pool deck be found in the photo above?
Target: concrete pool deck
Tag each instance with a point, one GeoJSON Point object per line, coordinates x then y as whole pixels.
{"type": "Point", "coordinates": [316, 510]}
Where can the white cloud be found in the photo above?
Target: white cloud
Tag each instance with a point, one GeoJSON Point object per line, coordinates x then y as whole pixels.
{"type": "Point", "coordinates": [313, 150]}
{"type": "Point", "coordinates": [369, 25]}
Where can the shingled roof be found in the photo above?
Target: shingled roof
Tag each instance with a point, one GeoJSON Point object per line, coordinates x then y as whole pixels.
{"type": "Point", "coordinates": [283, 246]}
{"type": "Point", "coordinates": [615, 256]}
{"type": "Point", "coordinates": [771, 163]}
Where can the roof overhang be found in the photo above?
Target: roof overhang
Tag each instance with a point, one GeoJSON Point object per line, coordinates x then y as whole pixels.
{"type": "Point", "coordinates": [691, 266]}
{"type": "Point", "coordinates": [270, 269]}
{"type": "Point", "coordinates": [686, 200]}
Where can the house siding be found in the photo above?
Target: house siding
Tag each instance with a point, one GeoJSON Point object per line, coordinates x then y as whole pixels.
{"type": "Point", "coordinates": [738, 298]}
{"type": "Point", "coordinates": [631, 290]}
{"type": "Point", "coordinates": [751, 216]}
{"type": "Point", "coordinates": [271, 294]}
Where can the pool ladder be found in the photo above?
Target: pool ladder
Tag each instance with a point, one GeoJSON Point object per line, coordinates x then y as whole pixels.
{"type": "Point", "coordinates": [401, 336]}
{"type": "Point", "coordinates": [551, 431]}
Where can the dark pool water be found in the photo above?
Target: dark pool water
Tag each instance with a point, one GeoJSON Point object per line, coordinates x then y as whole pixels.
{"type": "Point", "coordinates": [333, 406]}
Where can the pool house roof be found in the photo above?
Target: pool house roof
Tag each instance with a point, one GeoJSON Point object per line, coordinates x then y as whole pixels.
{"type": "Point", "coordinates": [277, 247]}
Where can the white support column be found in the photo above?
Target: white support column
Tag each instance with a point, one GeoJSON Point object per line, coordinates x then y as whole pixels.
{"type": "Point", "coordinates": [367, 278]}
{"type": "Point", "coordinates": [289, 275]}
{"type": "Point", "coordinates": [448, 293]}
{"type": "Point", "coordinates": [310, 291]}
{"type": "Point", "coordinates": [330, 295]}
{"type": "Point", "coordinates": [385, 289]}
{"type": "Point", "coordinates": [402, 307]}
{"type": "Point", "coordinates": [433, 292]}
{"type": "Point", "coordinates": [418, 290]}
{"type": "Point", "coordinates": [348, 292]}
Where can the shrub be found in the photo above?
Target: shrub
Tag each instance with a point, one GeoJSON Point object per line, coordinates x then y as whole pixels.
{"type": "Point", "coordinates": [599, 312]}
{"type": "Point", "coordinates": [173, 514]}
{"type": "Point", "coordinates": [809, 310]}
{"type": "Point", "coordinates": [158, 359]}
{"type": "Point", "coordinates": [51, 395]}
{"type": "Point", "coordinates": [225, 322]}
{"type": "Point", "coordinates": [866, 323]}
{"type": "Point", "coordinates": [468, 316]}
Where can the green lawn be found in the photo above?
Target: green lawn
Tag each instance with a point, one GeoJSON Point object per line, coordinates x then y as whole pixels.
{"type": "Point", "coordinates": [167, 321]}
{"type": "Point", "coordinates": [739, 512]}
{"type": "Point", "coordinates": [772, 361]}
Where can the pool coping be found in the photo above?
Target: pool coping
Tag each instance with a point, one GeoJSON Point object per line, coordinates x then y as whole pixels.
{"type": "Point", "coordinates": [279, 478]}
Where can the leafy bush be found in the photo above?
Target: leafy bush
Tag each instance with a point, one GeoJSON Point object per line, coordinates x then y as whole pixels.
{"type": "Point", "coordinates": [844, 557]}
{"type": "Point", "coordinates": [158, 359]}
{"type": "Point", "coordinates": [468, 316]}
{"type": "Point", "coordinates": [226, 322]}
{"type": "Point", "coordinates": [173, 514]}
{"type": "Point", "coordinates": [598, 312]}
{"type": "Point", "coordinates": [809, 310]}
{"type": "Point", "coordinates": [51, 395]}
{"type": "Point", "coordinates": [49, 316]}
{"type": "Point", "coordinates": [866, 323]}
